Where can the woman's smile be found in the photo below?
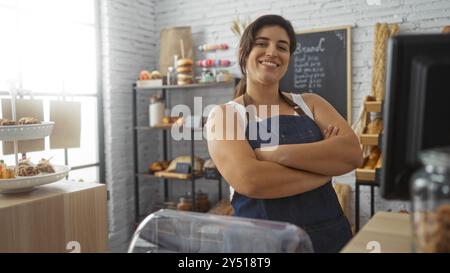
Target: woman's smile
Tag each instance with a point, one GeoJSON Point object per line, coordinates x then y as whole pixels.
{"type": "Point", "coordinates": [269, 64]}
{"type": "Point", "coordinates": [270, 55]}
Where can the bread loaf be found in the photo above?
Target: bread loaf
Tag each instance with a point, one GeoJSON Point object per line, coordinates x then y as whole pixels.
{"type": "Point", "coordinates": [372, 159]}
{"type": "Point", "coordinates": [375, 127]}
{"type": "Point", "coordinates": [198, 163]}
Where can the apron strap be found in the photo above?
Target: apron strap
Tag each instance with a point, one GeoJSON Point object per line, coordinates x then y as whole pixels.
{"type": "Point", "coordinates": [297, 108]}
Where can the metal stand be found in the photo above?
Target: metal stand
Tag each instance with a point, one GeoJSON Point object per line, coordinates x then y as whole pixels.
{"type": "Point", "coordinates": [165, 156]}
{"type": "Point", "coordinates": [372, 185]}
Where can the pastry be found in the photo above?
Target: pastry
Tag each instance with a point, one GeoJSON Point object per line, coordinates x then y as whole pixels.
{"type": "Point", "coordinates": [198, 163]}
{"type": "Point", "coordinates": [185, 71]}
{"type": "Point", "coordinates": [25, 168]}
{"type": "Point", "coordinates": [155, 75]}
{"type": "Point", "coordinates": [158, 166]}
{"type": "Point", "coordinates": [375, 127]}
{"type": "Point", "coordinates": [7, 173]}
{"type": "Point", "coordinates": [28, 120]}
{"type": "Point", "coordinates": [184, 62]}
{"type": "Point", "coordinates": [379, 162]}
{"type": "Point", "coordinates": [372, 159]}
{"type": "Point", "coordinates": [7, 122]}
{"type": "Point", "coordinates": [44, 166]}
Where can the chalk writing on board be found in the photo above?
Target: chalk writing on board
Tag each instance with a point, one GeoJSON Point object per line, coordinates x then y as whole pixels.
{"type": "Point", "coordinates": [310, 73]}
{"type": "Point", "coordinates": [320, 65]}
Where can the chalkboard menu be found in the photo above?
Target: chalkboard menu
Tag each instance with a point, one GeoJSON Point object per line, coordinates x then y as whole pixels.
{"type": "Point", "coordinates": [321, 64]}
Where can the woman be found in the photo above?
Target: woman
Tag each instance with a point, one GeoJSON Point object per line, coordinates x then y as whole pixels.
{"type": "Point", "coordinates": [292, 181]}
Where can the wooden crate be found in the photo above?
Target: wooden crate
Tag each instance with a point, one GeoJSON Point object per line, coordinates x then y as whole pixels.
{"type": "Point", "coordinates": [365, 174]}
{"type": "Point", "coordinates": [373, 106]}
{"type": "Point", "coordinates": [369, 139]}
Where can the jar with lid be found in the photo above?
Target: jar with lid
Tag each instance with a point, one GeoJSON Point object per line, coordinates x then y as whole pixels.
{"type": "Point", "coordinates": [155, 111]}
{"type": "Point", "coordinates": [185, 203]}
{"type": "Point", "coordinates": [430, 200]}
{"type": "Point", "coordinates": [202, 201]}
{"type": "Point", "coordinates": [171, 76]}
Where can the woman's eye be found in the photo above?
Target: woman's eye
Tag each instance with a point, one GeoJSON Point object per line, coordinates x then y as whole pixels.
{"type": "Point", "coordinates": [261, 44]}
{"type": "Point", "coordinates": [282, 48]}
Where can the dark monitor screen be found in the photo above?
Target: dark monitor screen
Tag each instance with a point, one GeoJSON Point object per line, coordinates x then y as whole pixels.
{"type": "Point", "coordinates": [416, 111]}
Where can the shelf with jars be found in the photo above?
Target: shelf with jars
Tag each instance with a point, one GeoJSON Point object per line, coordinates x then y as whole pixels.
{"type": "Point", "coordinates": [171, 169]}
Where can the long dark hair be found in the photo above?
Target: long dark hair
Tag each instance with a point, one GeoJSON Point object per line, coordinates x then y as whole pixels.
{"type": "Point", "coordinates": [248, 39]}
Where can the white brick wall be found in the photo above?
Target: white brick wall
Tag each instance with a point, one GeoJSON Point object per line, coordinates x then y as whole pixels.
{"type": "Point", "coordinates": [128, 42]}
{"type": "Point", "coordinates": [131, 43]}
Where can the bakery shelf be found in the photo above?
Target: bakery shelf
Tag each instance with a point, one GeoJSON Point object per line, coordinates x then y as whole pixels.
{"type": "Point", "coordinates": [373, 106]}
{"type": "Point", "coordinates": [179, 176]}
{"type": "Point", "coordinates": [26, 132]}
{"type": "Point", "coordinates": [156, 127]}
{"type": "Point", "coordinates": [28, 183]}
{"type": "Point", "coordinates": [188, 177]}
{"type": "Point", "coordinates": [163, 127]}
{"type": "Point", "coordinates": [187, 86]}
{"type": "Point", "coordinates": [365, 174]}
{"type": "Point", "coordinates": [369, 139]}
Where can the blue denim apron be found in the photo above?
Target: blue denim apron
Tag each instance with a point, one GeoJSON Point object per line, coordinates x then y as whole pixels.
{"type": "Point", "coordinates": [318, 211]}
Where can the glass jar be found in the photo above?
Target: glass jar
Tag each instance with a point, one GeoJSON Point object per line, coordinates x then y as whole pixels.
{"type": "Point", "coordinates": [430, 200]}
{"type": "Point", "coordinates": [202, 201]}
{"type": "Point", "coordinates": [185, 204]}
{"type": "Point", "coordinates": [155, 111]}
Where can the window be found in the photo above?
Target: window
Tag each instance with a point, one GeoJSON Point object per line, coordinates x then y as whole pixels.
{"type": "Point", "coordinates": [49, 49]}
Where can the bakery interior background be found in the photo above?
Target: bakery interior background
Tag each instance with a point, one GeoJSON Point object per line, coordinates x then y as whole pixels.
{"type": "Point", "coordinates": [94, 51]}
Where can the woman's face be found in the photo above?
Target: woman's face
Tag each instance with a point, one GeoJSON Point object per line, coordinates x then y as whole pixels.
{"type": "Point", "coordinates": [269, 57]}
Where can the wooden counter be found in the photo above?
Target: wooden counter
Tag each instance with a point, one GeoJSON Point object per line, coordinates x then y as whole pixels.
{"type": "Point", "coordinates": [58, 217]}
{"type": "Point", "coordinates": [391, 230]}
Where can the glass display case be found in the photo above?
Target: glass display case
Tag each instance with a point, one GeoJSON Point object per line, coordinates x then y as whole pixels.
{"type": "Point", "coordinates": [171, 231]}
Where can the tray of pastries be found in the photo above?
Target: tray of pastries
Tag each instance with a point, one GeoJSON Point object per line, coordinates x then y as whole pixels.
{"type": "Point", "coordinates": [24, 129]}
{"type": "Point", "coordinates": [27, 175]}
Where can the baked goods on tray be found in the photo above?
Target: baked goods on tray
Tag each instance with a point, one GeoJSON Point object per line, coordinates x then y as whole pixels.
{"type": "Point", "coordinates": [21, 121]}
{"type": "Point", "coordinates": [375, 127]}
{"type": "Point", "coordinates": [28, 120]}
{"type": "Point", "coordinates": [7, 122]}
{"type": "Point", "coordinates": [198, 163]}
{"type": "Point", "coordinates": [44, 166]}
{"type": "Point", "coordinates": [373, 158]}
{"type": "Point", "coordinates": [158, 166]}
{"type": "Point", "coordinates": [27, 168]}
{"type": "Point", "coordinates": [5, 171]}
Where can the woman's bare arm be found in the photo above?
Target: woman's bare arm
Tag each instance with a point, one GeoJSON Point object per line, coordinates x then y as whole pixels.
{"type": "Point", "coordinates": [237, 163]}
{"type": "Point", "coordinates": [332, 156]}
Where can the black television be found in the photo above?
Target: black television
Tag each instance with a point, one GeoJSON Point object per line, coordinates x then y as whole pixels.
{"type": "Point", "coordinates": [416, 111]}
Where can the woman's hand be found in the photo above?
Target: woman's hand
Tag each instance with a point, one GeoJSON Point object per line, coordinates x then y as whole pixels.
{"type": "Point", "coordinates": [330, 131]}
{"type": "Point", "coordinates": [269, 155]}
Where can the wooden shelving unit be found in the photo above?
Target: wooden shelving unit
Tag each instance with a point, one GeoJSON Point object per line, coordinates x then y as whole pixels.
{"type": "Point", "coordinates": [373, 106]}
{"type": "Point", "coordinates": [364, 176]}
{"type": "Point", "coordinates": [369, 139]}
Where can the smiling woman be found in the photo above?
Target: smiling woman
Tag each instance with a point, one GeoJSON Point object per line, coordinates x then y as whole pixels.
{"type": "Point", "coordinates": [288, 179]}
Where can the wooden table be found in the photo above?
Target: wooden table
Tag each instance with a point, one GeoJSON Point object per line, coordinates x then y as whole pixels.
{"type": "Point", "coordinates": [65, 216]}
{"type": "Point", "coordinates": [386, 232]}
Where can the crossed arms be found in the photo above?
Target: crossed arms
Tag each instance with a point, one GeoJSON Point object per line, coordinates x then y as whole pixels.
{"type": "Point", "coordinates": [288, 169]}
